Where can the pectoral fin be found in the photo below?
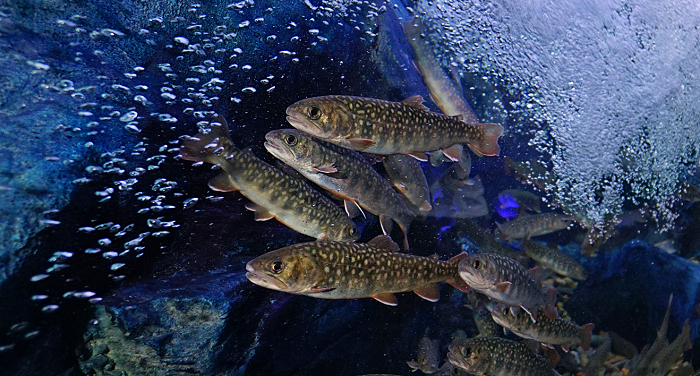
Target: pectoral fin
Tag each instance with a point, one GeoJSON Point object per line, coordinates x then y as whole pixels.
{"type": "Point", "coordinates": [429, 292]}
{"type": "Point", "coordinates": [502, 286]}
{"type": "Point", "coordinates": [353, 209]}
{"type": "Point", "coordinates": [419, 156]}
{"type": "Point", "coordinates": [386, 298]}
{"type": "Point", "coordinates": [359, 143]}
{"type": "Point", "coordinates": [384, 242]}
{"type": "Point", "coordinates": [261, 214]}
{"type": "Point", "coordinates": [327, 169]}
{"type": "Point", "coordinates": [322, 288]}
{"type": "Point", "coordinates": [386, 223]}
{"type": "Point", "coordinates": [222, 183]}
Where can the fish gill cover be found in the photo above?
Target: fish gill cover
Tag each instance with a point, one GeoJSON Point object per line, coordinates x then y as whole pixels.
{"type": "Point", "coordinates": [605, 90]}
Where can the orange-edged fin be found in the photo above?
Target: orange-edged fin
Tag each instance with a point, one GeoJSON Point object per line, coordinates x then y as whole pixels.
{"type": "Point", "coordinates": [429, 292]}
{"type": "Point", "coordinates": [459, 284]}
{"type": "Point", "coordinates": [386, 298]}
{"type": "Point", "coordinates": [261, 214]}
{"type": "Point", "coordinates": [420, 156]}
{"type": "Point", "coordinates": [502, 286]}
{"type": "Point", "coordinates": [202, 146]}
{"type": "Point", "coordinates": [415, 101]}
{"type": "Point", "coordinates": [425, 207]}
{"type": "Point", "coordinates": [359, 143]}
{"type": "Point", "coordinates": [488, 144]}
{"type": "Point", "coordinates": [475, 151]}
{"type": "Point", "coordinates": [384, 242]}
{"type": "Point", "coordinates": [322, 288]}
{"type": "Point", "coordinates": [353, 208]}
{"type": "Point", "coordinates": [532, 313]}
{"type": "Point", "coordinates": [550, 308]}
{"type": "Point", "coordinates": [453, 152]}
{"type": "Point", "coordinates": [386, 224]}
{"type": "Point", "coordinates": [551, 355]}
{"type": "Point", "coordinates": [329, 169]}
{"type": "Point", "coordinates": [222, 183]}
{"type": "Point", "coordinates": [586, 331]}
{"type": "Point", "coordinates": [414, 365]}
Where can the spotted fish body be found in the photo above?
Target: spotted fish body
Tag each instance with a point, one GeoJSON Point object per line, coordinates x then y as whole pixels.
{"type": "Point", "coordinates": [384, 127]}
{"type": "Point", "coordinates": [406, 175]}
{"type": "Point", "coordinates": [493, 356]}
{"type": "Point", "coordinates": [557, 331]}
{"type": "Point", "coordinates": [274, 194]}
{"type": "Point", "coordinates": [554, 259]}
{"type": "Point", "coordinates": [342, 172]}
{"type": "Point", "coordinates": [343, 270]}
{"type": "Point", "coordinates": [505, 280]}
{"type": "Point", "coordinates": [528, 226]}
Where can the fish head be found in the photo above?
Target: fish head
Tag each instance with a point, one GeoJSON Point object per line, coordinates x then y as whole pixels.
{"type": "Point", "coordinates": [293, 147]}
{"type": "Point", "coordinates": [346, 232]}
{"type": "Point", "coordinates": [469, 355]}
{"type": "Point", "coordinates": [480, 271]}
{"type": "Point", "coordinates": [286, 269]}
{"type": "Point", "coordinates": [561, 221]}
{"type": "Point", "coordinates": [325, 117]}
{"type": "Point", "coordinates": [428, 355]}
{"type": "Point", "coordinates": [503, 315]}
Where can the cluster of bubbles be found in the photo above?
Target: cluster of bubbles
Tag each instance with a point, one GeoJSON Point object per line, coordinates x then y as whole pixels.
{"type": "Point", "coordinates": [605, 92]}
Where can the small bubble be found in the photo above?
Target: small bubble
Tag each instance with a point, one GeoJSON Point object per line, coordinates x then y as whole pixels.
{"type": "Point", "coordinates": [248, 89]}
{"type": "Point", "coordinates": [49, 308]}
{"type": "Point", "coordinates": [39, 277]}
{"type": "Point", "coordinates": [84, 294]}
{"type": "Point", "coordinates": [116, 266]}
{"type": "Point", "coordinates": [104, 242]}
{"type": "Point", "coordinates": [129, 116]}
{"type": "Point", "coordinates": [110, 254]}
{"type": "Point", "coordinates": [39, 297]}
{"type": "Point", "coordinates": [93, 250]}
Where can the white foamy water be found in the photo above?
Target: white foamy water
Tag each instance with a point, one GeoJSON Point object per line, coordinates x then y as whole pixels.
{"type": "Point", "coordinates": [612, 87]}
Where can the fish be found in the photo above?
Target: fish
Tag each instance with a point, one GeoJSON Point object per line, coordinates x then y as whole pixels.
{"type": "Point", "coordinates": [552, 258]}
{"type": "Point", "coordinates": [273, 193]}
{"type": "Point", "coordinates": [449, 369]}
{"type": "Point", "coordinates": [344, 270]}
{"type": "Point", "coordinates": [482, 316]}
{"type": "Point", "coordinates": [465, 202]}
{"type": "Point", "coordinates": [528, 226]}
{"type": "Point", "coordinates": [495, 356]}
{"type": "Point", "coordinates": [428, 357]}
{"type": "Point", "coordinates": [384, 127]}
{"type": "Point", "coordinates": [531, 172]}
{"type": "Point", "coordinates": [344, 173]}
{"type": "Point", "coordinates": [596, 362]}
{"type": "Point", "coordinates": [522, 199]}
{"type": "Point", "coordinates": [445, 91]}
{"type": "Point", "coordinates": [556, 331]}
{"type": "Point", "coordinates": [505, 280]}
{"type": "Point", "coordinates": [406, 175]}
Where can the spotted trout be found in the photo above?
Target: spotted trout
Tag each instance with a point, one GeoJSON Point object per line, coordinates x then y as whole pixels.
{"type": "Point", "coordinates": [273, 193]}
{"type": "Point", "coordinates": [406, 175]}
{"type": "Point", "coordinates": [384, 127]}
{"type": "Point", "coordinates": [505, 280]}
{"type": "Point", "coordinates": [342, 172]}
{"type": "Point", "coordinates": [556, 331]}
{"type": "Point", "coordinates": [428, 358]}
{"type": "Point", "coordinates": [525, 227]}
{"type": "Point", "coordinates": [554, 259]}
{"type": "Point", "coordinates": [344, 270]}
{"type": "Point", "coordinates": [493, 356]}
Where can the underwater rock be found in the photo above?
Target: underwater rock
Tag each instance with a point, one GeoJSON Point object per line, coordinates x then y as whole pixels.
{"type": "Point", "coordinates": [636, 281]}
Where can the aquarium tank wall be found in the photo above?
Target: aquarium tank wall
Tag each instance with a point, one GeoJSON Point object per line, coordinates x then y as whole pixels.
{"type": "Point", "coordinates": [349, 187]}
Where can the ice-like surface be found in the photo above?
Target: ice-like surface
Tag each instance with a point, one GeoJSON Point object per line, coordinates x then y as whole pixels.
{"type": "Point", "coordinates": [609, 88]}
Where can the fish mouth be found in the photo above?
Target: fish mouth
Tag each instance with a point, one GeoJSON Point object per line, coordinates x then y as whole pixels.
{"type": "Point", "coordinates": [303, 124]}
{"type": "Point", "coordinates": [264, 280]}
{"type": "Point", "coordinates": [454, 357]}
{"type": "Point", "coordinates": [278, 151]}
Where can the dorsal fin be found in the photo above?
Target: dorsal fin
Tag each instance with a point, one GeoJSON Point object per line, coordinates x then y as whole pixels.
{"type": "Point", "coordinates": [384, 242]}
{"type": "Point", "coordinates": [415, 101]}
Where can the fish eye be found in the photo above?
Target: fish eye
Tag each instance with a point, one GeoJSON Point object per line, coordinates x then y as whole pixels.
{"type": "Point", "coordinates": [477, 264]}
{"type": "Point", "coordinates": [314, 112]}
{"type": "Point", "coordinates": [291, 140]}
{"type": "Point", "coordinates": [353, 231]}
{"type": "Point", "coordinates": [466, 351]}
{"type": "Point", "coordinates": [277, 266]}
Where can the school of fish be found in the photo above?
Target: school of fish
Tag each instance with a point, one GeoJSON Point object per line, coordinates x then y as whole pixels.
{"type": "Point", "coordinates": [335, 140]}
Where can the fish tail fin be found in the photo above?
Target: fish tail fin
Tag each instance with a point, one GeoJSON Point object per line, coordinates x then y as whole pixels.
{"type": "Point", "coordinates": [457, 281]}
{"type": "Point", "coordinates": [208, 146]}
{"type": "Point", "coordinates": [586, 331]}
{"type": "Point", "coordinates": [550, 308]}
{"type": "Point", "coordinates": [488, 144]}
